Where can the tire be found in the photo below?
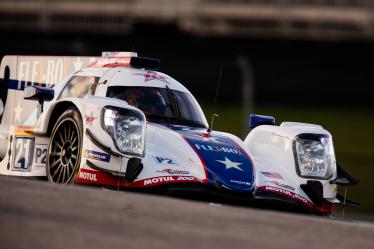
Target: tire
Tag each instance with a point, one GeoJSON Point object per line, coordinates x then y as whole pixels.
{"type": "Point", "coordinates": [64, 150]}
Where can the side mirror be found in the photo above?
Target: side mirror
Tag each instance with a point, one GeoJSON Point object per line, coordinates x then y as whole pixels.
{"type": "Point", "coordinates": [40, 94]}
{"type": "Point", "coordinates": [257, 120]}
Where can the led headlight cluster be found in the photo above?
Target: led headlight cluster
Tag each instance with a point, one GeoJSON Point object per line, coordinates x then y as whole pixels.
{"type": "Point", "coordinates": [126, 127]}
{"type": "Point", "coordinates": [314, 156]}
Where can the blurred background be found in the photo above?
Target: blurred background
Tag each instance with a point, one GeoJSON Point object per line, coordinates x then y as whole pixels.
{"type": "Point", "coordinates": [298, 60]}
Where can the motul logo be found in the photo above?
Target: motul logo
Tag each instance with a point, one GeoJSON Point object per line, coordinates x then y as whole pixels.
{"type": "Point", "coordinates": [158, 180]}
{"type": "Point", "coordinates": [88, 176]}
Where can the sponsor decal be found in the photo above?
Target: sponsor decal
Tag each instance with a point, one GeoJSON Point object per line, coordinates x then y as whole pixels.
{"type": "Point", "coordinates": [152, 76]}
{"type": "Point", "coordinates": [287, 193]}
{"type": "Point", "coordinates": [240, 182]}
{"type": "Point", "coordinates": [213, 148]}
{"type": "Point", "coordinates": [164, 160]}
{"type": "Point", "coordinates": [24, 131]}
{"type": "Point", "coordinates": [167, 179]}
{"type": "Point", "coordinates": [282, 185]}
{"type": "Point", "coordinates": [207, 137]}
{"type": "Point", "coordinates": [88, 176]}
{"type": "Point", "coordinates": [103, 178]}
{"type": "Point", "coordinates": [325, 208]}
{"type": "Point", "coordinates": [36, 71]}
{"type": "Point", "coordinates": [96, 177]}
{"type": "Point", "coordinates": [97, 155]}
{"type": "Point", "coordinates": [222, 158]}
{"type": "Point", "coordinates": [90, 118]}
{"type": "Point", "coordinates": [174, 172]}
{"type": "Point", "coordinates": [110, 62]}
{"type": "Point", "coordinates": [272, 175]}
{"type": "Point", "coordinates": [20, 85]}
{"type": "Point", "coordinates": [158, 180]}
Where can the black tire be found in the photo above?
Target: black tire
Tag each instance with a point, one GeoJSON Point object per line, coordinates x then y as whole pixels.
{"type": "Point", "coordinates": [64, 150]}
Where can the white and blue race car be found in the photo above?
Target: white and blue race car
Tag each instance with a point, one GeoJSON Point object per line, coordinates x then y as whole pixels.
{"type": "Point", "coordinates": [116, 121]}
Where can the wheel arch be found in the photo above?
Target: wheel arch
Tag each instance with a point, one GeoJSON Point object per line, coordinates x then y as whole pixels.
{"type": "Point", "coordinates": [57, 111]}
{"type": "Point", "coordinates": [64, 111]}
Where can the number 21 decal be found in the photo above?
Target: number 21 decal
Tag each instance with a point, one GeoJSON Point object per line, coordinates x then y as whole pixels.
{"type": "Point", "coordinates": [22, 157]}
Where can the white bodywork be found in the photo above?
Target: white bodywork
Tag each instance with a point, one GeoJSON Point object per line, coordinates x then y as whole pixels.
{"type": "Point", "coordinates": [272, 150]}
{"type": "Point", "coordinates": [91, 106]}
{"type": "Point", "coordinates": [168, 157]}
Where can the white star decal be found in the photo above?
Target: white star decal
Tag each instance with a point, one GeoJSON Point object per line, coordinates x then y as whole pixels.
{"type": "Point", "coordinates": [230, 164]}
{"type": "Point", "coordinates": [17, 113]}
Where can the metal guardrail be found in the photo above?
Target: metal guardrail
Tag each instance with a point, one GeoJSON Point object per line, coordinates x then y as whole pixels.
{"type": "Point", "coordinates": [338, 3]}
{"type": "Point", "coordinates": [311, 19]}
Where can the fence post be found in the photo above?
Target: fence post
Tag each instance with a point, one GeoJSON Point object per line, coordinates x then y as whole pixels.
{"type": "Point", "coordinates": [247, 93]}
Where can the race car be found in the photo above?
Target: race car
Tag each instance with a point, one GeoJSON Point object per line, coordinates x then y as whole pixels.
{"type": "Point", "coordinates": [117, 121]}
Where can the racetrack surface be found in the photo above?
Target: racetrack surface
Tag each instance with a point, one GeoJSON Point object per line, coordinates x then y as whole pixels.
{"type": "Point", "coordinates": [36, 214]}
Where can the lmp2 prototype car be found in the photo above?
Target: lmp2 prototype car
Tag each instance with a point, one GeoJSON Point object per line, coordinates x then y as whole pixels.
{"type": "Point", "coordinates": [116, 121]}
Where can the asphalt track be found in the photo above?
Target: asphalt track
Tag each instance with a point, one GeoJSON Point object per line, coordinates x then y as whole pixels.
{"type": "Point", "coordinates": [36, 214]}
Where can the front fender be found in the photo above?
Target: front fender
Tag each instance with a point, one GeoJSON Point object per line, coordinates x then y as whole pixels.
{"type": "Point", "coordinates": [272, 149]}
{"type": "Point", "coordinates": [84, 105]}
{"type": "Point", "coordinates": [98, 148]}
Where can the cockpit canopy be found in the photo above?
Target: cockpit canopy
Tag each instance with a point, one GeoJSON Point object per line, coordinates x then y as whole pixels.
{"type": "Point", "coordinates": [163, 105]}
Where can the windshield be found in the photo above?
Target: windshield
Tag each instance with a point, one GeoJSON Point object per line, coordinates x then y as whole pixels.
{"type": "Point", "coordinates": [161, 104]}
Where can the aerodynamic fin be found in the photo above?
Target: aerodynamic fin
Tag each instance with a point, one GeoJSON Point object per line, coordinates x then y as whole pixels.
{"type": "Point", "coordinates": [343, 178]}
{"type": "Point", "coordinates": [134, 167]}
{"type": "Point", "coordinates": [314, 190]}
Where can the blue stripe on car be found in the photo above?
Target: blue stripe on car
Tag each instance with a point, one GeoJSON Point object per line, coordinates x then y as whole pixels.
{"type": "Point", "coordinates": [226, 162]}
{"type": "Point", "coordinates": [20, 85]}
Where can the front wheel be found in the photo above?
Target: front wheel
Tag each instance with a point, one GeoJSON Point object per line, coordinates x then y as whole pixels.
{"type": "Point", "coordinates": [64, 151]}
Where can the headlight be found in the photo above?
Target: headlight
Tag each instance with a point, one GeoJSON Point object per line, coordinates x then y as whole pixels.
{"type": "Point", "coordinates": [314, 156]}
{"type": "Point", "coordinates": [126, 127]}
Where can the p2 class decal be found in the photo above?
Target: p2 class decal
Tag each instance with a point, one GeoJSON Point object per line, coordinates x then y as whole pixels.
{"type": "Point", "coordinates": [225, 161]}
{"type": "Point", "coordinates": [100, 156]}
{"type": "Point", "coordinates": [164, 160]}
{"type": "Point", "coordinates": [40, 156]}
{"type": "Point", "coordinates": [103, 178]}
